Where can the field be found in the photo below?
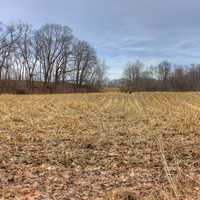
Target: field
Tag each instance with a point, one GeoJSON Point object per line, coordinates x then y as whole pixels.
{"type": "Point", "coordinates": [110, 146]}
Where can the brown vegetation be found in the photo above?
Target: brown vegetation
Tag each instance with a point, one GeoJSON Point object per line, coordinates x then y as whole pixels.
{"type": "Point", "coordinates": [110, 146]}
{"type": "Point", "coordinates": [22, 87]}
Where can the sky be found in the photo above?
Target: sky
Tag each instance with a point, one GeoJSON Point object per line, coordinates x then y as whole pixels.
{"type": "Point", "coordinates": [120, 30]}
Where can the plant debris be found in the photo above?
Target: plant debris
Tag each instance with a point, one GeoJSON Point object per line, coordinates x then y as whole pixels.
{"type": "Point", "coordinates": [140, 146]}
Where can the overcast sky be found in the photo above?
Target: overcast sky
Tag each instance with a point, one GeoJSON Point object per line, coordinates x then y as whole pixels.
{"type": "Point", "coordinates": [121, 30]}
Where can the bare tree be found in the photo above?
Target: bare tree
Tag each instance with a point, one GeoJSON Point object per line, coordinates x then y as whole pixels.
{"type": "Point", "coordinates": [98, 76]}
{"type": "Point", "coordinates": [132, 74]}
{"type": "Point", "coordinates": [53, 43]}
{"type": "Point", "coordinates": [179, 78]}
{"type": "Point", "coordinates": [27, 52]}
{"type": "Point", "coordinates": [84, 62]}
{"type": "Point", "coordinates": [164, 72]}
{"type": "Point", "coordinates": [8, 37]}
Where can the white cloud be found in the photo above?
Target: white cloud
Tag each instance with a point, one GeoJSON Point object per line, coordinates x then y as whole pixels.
{"type": "Point", "coordinates": [122, 30]}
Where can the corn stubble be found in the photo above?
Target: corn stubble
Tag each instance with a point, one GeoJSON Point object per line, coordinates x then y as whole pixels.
{"type": "Point", "coordinates": [109, 146]}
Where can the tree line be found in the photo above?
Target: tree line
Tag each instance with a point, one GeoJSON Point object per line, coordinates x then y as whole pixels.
{"type": "Point", "coordinates": [50, 55]}
{"type": "Point", "coordinates": [162, 77]}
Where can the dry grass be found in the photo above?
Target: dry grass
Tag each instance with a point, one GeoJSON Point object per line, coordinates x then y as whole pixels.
{"type": "Point", "coordinates": [100, 146]}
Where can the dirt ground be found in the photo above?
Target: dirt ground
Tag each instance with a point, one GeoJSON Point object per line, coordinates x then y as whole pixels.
{"type": "Point", "coordinates": [112, 146]}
